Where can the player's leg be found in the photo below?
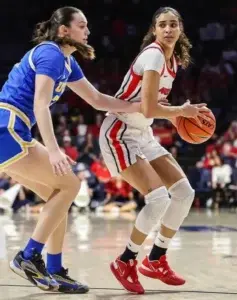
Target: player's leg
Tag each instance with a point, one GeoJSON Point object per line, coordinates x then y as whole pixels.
{"type": "Point", "coordinates": [143, 178]}
{"type": "Point", "coordinates": [121, 148]}
{"type": "Point", "coordinates": [182, 196]}
{"type": "Point", "coordinates": [55, 241]}
{"type": "Point", "coordinates": [36, 167]}
{"type": "Point", "coordinates": [42, 190]}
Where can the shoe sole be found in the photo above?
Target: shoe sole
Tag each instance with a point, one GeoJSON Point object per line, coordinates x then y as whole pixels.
{"type": "Point", "coordinates": [23, 275]}
{"type": "Point", "coordinates": [112, 269]}
{"type": "Point", "coordinates": [76, 292]}
{"type": "Point", "coordinates": [17, 270]}
{"type": "Point", "coordinates": [149, 274]}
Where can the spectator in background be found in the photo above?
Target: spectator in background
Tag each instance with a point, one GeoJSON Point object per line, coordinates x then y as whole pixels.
{"type": "Point", "coordinates": [83, 197]}
{"type": "Point", "coordinates": [221, 179]}
{"type": "Point", "coordinates": [61, 125]}
{"type": "Point", "coordinates": [164, 132]}
{"type": "Point", "coordinates": [94, 129]}
{"type": "Point", "coordinates": [24, 198]}
{"type": "Point", "coordinates": [119, 196]}
{"type": "Point", "coordinates": [70, 150]}
{"type": "Point", "coordinates": [102, 175]}
{"type": "Point", "coordinates": [100, 170]}
{"type": "Point", "coordinates": [228, 154]}
{"type": "Point", "coordinates": [81, 131]}
{"type": "Point", "coordinates": [204, 167]}
{"type": "Point", "coordinates": [4, 182]}
{"type": "Point", "coordinates": [89, 149]}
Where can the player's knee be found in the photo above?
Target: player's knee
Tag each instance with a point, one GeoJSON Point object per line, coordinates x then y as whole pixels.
{"type": "Point", "coordinates": [71, 184]}
{"type": "Point", "coordinates": [75, 185]}
{"type": "Point", "coordinates": [182, 192]}
{"type": "Point", "coordinates": [182, 196]}
{"type": "Point", "coordinates": [156, 203]}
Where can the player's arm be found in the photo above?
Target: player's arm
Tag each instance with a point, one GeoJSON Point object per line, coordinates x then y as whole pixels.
{"type": "Point", "coordinates": [99, 101]}
{"type": "Point", "coordinates": [83, 88]}
{"type": "Point", "coordinates": [151, 109]}
{"type": "Point", "coordinates": [151, 63]}
{"type": "Point", "coordinates": [49, 64]}
{"type": "Point", "coordinates": [149, 94]}
{"type": "Point", "coordinates": [44, 86]}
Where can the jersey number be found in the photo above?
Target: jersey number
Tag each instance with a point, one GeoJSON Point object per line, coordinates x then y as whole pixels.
{"type": "Point", "coordinates": [60, 89]}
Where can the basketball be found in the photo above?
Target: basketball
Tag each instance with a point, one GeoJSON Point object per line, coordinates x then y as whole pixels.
{"type": "Point", "coordinates": [191, 132]}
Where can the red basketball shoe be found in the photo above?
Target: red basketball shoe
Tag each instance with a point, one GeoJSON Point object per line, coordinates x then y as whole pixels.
{"type": "Point", "coordinates": [126, 274]}
{"type": "Point", "coordinates": [159, 269]}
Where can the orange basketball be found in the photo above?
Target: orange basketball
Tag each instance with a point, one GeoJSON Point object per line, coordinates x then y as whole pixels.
{"type": "Point", "coordinates": [191, 132]}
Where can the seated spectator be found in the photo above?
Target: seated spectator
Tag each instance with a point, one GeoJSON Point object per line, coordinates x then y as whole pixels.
{"type": "Point", "coordinates": [164, 132]}
{"type": "Point", "coordinates": [4, 181]}
{"type": "Point", "coordinates": [70, 150]}
{"type": "Point", "coordinates": [119, 196]}
{"type": "Point", "coordinates": [61, 125]}
{"type": "Point", "coordinates": [94, 129]}
{"type": "Point", "coordinates": [98, 167]}
{"type": "Point", "coordinates": [221, 179]}
{"type": "Point", "coordinates": [24, 198]}
{"type": "Point", "coordinates": [102, 177]}
{"type": "Point", "coordinates": [89, 149]}
{"type": "Point", "coordinates": [83, 198]}
{"type": "Point", "coordinates": [228, 153]}
{"type": "Point", "coordinates": [81, 131]}
{"type": "Point", "coordinates": [204, 168]}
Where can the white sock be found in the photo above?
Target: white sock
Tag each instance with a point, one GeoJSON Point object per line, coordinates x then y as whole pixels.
{"type": "Point", "coordinates": [133, 247]}
{"type": "Point", "coordinates": [162, 241]}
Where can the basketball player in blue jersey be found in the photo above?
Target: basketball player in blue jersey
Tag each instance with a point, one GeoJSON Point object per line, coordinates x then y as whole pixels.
{"type": "Point", "coordinates": [33, 85]}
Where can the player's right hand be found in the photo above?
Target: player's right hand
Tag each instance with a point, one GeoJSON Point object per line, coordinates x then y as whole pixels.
{"type": "Point", "coordinates": [61, 163]}
{"type": "Point", "coordinates": [195, 111]}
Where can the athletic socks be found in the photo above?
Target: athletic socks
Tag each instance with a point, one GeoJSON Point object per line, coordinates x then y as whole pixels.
{"type": "Point", "coordinates": [29, 249]}
{"type": "Point", "coordinates": [160, 247]}
{"type": "Point", "coordinates": [130, 252]}
{"type": "Point", "coordinates": [54, 263]}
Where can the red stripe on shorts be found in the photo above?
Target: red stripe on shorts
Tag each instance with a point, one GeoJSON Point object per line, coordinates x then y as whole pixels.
{"type": "Point", "coordinates": [116, 144]}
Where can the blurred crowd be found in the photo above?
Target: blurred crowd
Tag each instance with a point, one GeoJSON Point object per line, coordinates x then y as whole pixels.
{"type": "Point", "coordinates": [215, 174]}
{"type": "Point", "coordinates": [116, 34]}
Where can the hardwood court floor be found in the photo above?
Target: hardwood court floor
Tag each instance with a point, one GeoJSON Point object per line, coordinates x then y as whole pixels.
{"type": "Point", "coordinates": [204, 252]}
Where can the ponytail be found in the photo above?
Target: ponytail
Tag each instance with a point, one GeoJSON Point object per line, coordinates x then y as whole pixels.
{"type": "Point", "coordinates": [41, 32]}
{"type": "Point", "coordinates": [48, 31]}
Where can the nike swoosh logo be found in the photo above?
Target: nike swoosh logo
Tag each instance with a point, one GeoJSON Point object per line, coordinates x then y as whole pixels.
{"type": "Point", "coordinates": [121, 272]}
{"type": "Point", "coordinates": [116, 265]}
{"type": "Point", "coordinates": [161, 240]}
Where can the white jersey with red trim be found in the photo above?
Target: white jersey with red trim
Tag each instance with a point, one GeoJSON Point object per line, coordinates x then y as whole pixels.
{"type": "Point", "coordinates": [150, 58]}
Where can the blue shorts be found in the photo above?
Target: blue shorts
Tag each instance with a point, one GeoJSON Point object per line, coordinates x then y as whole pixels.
{"type": "Point", "coordinates": [15, 135]}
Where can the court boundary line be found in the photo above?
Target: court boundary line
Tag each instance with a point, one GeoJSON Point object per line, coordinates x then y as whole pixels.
{"type": "Point", "coordinates": [148, 290]}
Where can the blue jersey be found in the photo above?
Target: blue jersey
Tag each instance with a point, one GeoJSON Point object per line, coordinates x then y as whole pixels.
{"type": "Point", "coordinates": [47, 59]}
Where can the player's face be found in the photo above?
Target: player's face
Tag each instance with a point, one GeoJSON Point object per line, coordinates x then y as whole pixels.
{"type": "Point", "coordinates": [167, 29]}
{"type": "Point", "coordinates": [78, 30]}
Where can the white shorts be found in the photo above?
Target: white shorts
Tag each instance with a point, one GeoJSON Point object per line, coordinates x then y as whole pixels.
{"type": "Point", "coordinates": [121, 143]}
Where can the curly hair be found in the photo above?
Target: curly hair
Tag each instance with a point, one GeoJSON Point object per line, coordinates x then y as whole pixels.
{"type": "Point", "coordinates": [182, 46]}
{"type": "Point", "coordinates": [48, 31]}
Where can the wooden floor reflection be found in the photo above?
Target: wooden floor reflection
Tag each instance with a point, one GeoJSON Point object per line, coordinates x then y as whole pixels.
{"type": "Point", "coordinates": [204, 252]}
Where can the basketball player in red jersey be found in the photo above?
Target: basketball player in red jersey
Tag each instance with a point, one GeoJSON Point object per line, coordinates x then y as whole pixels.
{"type": "Point", "coordinates": [130, 149]}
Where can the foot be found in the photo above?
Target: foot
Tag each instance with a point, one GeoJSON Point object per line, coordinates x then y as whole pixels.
{"type": "Point", "coordinates": [159, 269]}
{"type": "Point", "coordinates": [34, 270]}
{"type": "Point", "coordinates": [67, 284]}
{"type": "Point", "coordinates": [126, 274]}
